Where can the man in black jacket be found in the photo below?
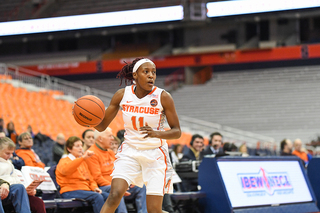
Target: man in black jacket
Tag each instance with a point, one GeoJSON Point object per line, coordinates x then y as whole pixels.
{"type": "Point", "coordinates": [215, 146]}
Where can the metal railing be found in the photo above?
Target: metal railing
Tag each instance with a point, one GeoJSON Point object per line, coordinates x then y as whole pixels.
{"type": "Point", "coordinates": [43, 81]}
{"type": "Point", "coordinates": [228, 133]}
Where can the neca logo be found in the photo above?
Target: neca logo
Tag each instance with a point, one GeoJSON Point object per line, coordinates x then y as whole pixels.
{"type": "Point", "coordinates": [263, 181]}
{"type": "Point", "coordinates": [85, 117]}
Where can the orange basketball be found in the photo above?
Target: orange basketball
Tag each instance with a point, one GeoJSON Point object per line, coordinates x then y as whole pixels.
{"type": "Point", "coordinates": [88, 111]}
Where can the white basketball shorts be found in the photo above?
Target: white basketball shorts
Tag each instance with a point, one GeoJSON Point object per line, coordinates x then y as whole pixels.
{"type": "Point", "coordinates": [151, 167]}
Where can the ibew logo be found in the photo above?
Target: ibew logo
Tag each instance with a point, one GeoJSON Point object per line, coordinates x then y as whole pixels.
{"type": "Point", "coordinates": [265, 181]}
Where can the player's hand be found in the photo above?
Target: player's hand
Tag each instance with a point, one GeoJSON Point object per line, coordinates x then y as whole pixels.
{"type": "Point", "coordinates": [88, 154]}
{"type": "Point", "coordinates": [98, 190]}
{"type": "Point", "coordinates": [4, 191]}
{"type": "Point", "coordinates": [149, 131]}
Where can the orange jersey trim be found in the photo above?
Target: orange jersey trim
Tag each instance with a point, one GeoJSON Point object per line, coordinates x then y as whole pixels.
{"type": "Point", "coordinates": [132, 89]}
{"type": "Point", "coordinates": [165, 172]}
{"type": "Point", "coordinates": [152, 90]}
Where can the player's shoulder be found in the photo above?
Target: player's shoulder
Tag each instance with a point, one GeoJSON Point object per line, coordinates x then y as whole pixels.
{"type": "Point", "coordinates": [165, 95]}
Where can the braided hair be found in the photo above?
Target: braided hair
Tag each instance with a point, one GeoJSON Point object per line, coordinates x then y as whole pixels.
{"type": "Point", "coordinates": [126, 71]}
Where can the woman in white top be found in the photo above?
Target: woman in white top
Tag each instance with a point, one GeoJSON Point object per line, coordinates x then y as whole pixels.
{"type": "Point", "coordinates": [143, 156]}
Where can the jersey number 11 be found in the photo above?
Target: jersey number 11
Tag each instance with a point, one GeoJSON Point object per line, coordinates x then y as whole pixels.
{"type": "Point", "coordinates": [134, 122]}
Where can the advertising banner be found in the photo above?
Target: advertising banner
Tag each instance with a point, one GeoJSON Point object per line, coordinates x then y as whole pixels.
{"type": "Point", "coordinates": [258, 183]}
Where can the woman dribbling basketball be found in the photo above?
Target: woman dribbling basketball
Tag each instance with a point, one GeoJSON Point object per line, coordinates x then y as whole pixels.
{"type": "Point", "coordinates": [143, 157]}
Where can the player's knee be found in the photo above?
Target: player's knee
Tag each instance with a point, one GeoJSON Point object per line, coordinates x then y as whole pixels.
{"type": "Point", "coordinates": [114, 197]}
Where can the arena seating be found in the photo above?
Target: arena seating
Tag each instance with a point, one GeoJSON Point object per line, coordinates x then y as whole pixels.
{"type": "Point", "coordinates": [42, 111]}
{"type": "Point", "coordinates": [75, 7]}
{"type": "Point", "coordinates": [272, 102]}
{"type": "Point", "coordinates": [113, 84]}
{"type": "Point", "coordinates": [7, 8]}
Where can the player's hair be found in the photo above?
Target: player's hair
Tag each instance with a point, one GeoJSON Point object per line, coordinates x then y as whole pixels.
{"type": "Point", "coordinates": [85, 132]}
{"type": "Point", "coordinates": [126, 71]}
{"type": "Point", "coordinates": [70, 142]}
{"type": "Point", "coordinates": [6, 142]}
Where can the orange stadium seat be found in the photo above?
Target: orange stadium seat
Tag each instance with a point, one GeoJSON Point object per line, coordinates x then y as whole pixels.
{"type": "Point", "coordinates": [48, 115]}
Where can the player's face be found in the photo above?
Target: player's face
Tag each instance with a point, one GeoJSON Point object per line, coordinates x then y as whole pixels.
{"type": "Point", "coordinates": [145, 76]}
{"type": "Point", "coordinates": [27, 142]}
{"type": "Point", "coordinates": [76, 150]}
{"type": "Point", "coordinates": [6, 153]}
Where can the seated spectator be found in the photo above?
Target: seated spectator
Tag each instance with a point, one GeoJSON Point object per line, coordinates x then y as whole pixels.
{"type": "Point", "coordinates": [101, 167]}
{"type": "Point", "coordinates": [14, 194]}
{"type": "Point", "coordinates": [120, 134]}
{"type": "Point", "coordinates": [29, 129]}
{"type": "Point", "coordinates": [15, 159]}
{"type": "Point", "coordinates": [8, 174]}
{"type": "Point", "coordinates": [116, 142]}
{"type": "Point", "coordinates": [243, 150]}
{"type": "Point", "coordinates": [26, 152]}
{"type": "Point", "coordinates": [215, 145]}
{"type": "Point", "coordinates": [58, 147]}
{"type": "Point", "coordinates": [88, 139]}
{"type": "Point", "coordinates": [196, 145]}
{"type": "Point", "coordinates": [12, 132]}
{"type": "Point", "coordinates": [2, 128]}
{"type": "Point", "coordinates": [286, 147]}
{"type": "Point", "coordinates": [298, 152]}
{"type": "Point", "coordinates": [74, 177]}
{"type": "Point", "coordinates": [176, 153]}
{"type": "Point", "coordinates": [229, 147]}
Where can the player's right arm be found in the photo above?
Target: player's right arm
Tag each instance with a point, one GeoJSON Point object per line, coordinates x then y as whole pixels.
{"type": "Point", "coordinates": [111, 111]}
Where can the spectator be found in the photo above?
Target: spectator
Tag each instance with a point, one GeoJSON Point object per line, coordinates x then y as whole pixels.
{"type": "Point", "coordinates": [26, 152]}
{"type": "Point", "coordinates": [298, 152]}
{"type": "Point", "coordinates": [229, 149]}
{"type": "Point", "coordinates": [115, 144]}
{"type": "Point", "coordinates": [243, 150]}
{"type": "Point", "coordinates": [29, 129]}
{"type": "Point", "coordinates": [14, 194]}
{"type": "Point", "coordinates": [74, 177]}
{"type": "Point", "coordinates": [101, 166]}
{"type": "Point", "coordinates": [120, 135]}
{"type": "Point", "coordinates": [58, 147]}
{"type": "Point", "coordinates": [15, 159]}
{"type": "Point", "coordinates": [215, 145]}
{"type": "Point", "coordinates": [286, 147]}
{"type": "Point", "coordinates": [88, 139]}
{"type": "Point", "coordinates": [12, 132]}
{"type": "Point", "coordinates": [8, 174]}
{"type": "Point", "coordinates": [196, 144]}
{"type": "Point", "coordinates": [176, 154]}
{"type": "Point", "coordinates": [2, 128]}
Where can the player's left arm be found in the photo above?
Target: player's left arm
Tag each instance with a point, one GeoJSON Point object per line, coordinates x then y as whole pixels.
{"type": "Point", "coordinates": [169, 109]}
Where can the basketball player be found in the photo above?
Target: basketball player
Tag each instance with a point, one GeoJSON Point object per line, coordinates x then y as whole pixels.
{"type": "Point", "coordinates": [143, 156]}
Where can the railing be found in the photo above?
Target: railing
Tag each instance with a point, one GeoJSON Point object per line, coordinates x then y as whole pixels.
{"type": "Point", "coordinates": [51, 83]}
{"type": "Point", "coordinates": [228, 132]}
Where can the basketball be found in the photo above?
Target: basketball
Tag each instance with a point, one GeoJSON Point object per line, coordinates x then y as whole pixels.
{"type": "Point", "coordinates": [88, 111]}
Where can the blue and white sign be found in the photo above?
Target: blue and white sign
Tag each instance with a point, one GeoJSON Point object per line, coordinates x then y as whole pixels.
{"type": "Point", "coordinates": [257, 183]}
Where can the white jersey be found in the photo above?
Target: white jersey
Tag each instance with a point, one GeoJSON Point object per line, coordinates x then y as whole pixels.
{"type": "Point", "coordinates": [139, 112]}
